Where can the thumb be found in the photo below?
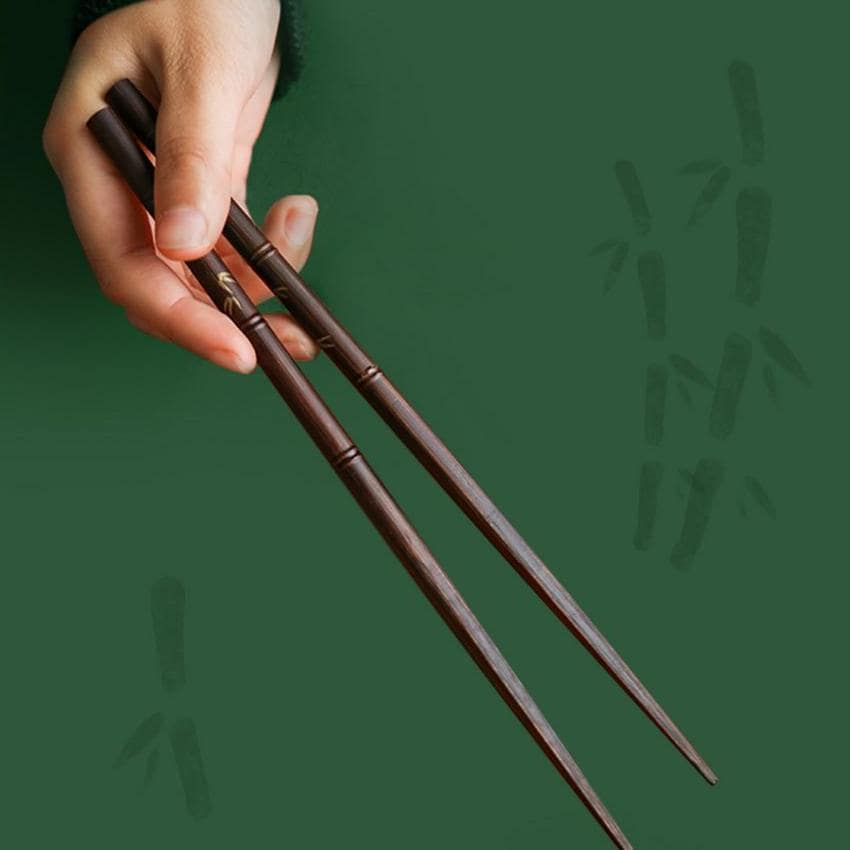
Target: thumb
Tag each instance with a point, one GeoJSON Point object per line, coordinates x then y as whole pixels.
{"type": "Point", "coordinates": [194, 149]}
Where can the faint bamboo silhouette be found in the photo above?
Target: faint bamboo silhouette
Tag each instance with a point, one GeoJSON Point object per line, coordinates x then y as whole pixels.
{"type": "Point", "coordinates": [168, 608]}
{"type": "Point", "coordinates": [753, 217]}
{"type": "Point", "coordinates": [652, 279]}
{"type": "Point", "coordinates": [705, 481]}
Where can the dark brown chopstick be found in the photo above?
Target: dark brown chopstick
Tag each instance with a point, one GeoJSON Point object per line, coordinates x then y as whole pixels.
{"type": "Point", "coordinates": [352, 468]}
{"type": "Point", "coordinates": [140, 116]}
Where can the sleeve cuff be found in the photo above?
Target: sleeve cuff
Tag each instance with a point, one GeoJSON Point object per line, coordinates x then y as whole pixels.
{"type": "Point", "coordinates": [290, 35]}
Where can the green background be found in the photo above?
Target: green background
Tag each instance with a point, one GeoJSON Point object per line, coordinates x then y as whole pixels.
{"type": "Point", "coordinates": [462, 155]}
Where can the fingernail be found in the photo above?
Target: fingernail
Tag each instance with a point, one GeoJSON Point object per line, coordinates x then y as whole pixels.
{"type": "Point", "coordinates": [306, 350]}
{"type": "Point", "coordinates": [232, 360]}
{"type": "Point", "coordinates": [181, 229]}
{"type": "Point", "coordinates": [299, 224]}
{"type": "Point", "coordinates": [299, 347]}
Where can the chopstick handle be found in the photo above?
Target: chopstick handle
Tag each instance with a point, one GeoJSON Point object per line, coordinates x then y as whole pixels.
{"type": "Point", "coordinates": [361, 481]}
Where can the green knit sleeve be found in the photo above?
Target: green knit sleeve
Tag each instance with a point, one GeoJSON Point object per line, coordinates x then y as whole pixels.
{"type": "Point", "coordinates": [290, 34]}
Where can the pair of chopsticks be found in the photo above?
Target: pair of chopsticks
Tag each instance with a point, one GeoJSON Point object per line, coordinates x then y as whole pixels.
{"type": "Point", "coordinates": [130, 114]}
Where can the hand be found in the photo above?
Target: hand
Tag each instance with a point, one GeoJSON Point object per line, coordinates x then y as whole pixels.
{"type": "Point", "coordinates": [212, 66]}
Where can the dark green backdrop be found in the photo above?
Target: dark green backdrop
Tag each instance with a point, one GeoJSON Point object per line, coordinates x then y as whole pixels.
{"type": "Point", "coordinates": [462, 154]}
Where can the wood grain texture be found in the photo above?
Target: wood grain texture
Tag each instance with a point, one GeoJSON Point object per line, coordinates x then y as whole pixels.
{"type": "Point", "coordinates": [371, 382]}
{"type": "Point", "coordinates": [351, 467]}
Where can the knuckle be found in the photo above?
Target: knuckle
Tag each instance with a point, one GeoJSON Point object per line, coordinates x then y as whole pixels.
{"type": "Point", "coordinates": [198, 63]}
{"type": "Point", "coordinates": [91, 37]}
{"type": "Point", "coordinates": [104, 273]}
{"type": "Point", "coordinates": [107, 270]}
{"type": "Point", "coordinates": [142, 324]}
{"type": "Point", "coordinates": [55, 133]}
{"type": "Point", "coordinates": [183, 153]}
{"type": "Point", "coordinates": [188, 157]}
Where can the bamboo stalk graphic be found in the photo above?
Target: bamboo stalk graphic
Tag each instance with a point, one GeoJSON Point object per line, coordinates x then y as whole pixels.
{"type": "Point", "coordinates": [167, 610]}
{"type": "Point", "coordinates": [630, 186]}
{"type": "Point", "coordinates": [168, 607]}
{"type": "Point", "coordinates": [649, 486]}
{"type": "Point", "coordinates": [187, 754]}
{"type": "Point", "coordinates": [734, 365]}
{"type": "Point", "coordinates": [742, 81]}
{"type": "Point", "coordinates": [653, 284]}
{"type": "Point", "coordinates": [652, 280]}
{"type": "Point", "coordinates": [705, 483]}
{"type": "Point", "coordinates": [753, 211]}
{"type": "Point", "coordinates": [753, 215]}
{"type": "Point", "coordinates": [655, 403]}
{"type": "Point", "coordinates": [753, 221]}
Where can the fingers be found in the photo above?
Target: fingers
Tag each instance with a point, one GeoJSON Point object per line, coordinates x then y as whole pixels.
{"type": "Point", "coordinates": [290, 225]}
{"type": "Point", "coordinates": [294, 339]}
{"type": "Point", "coordinates": [215, 71]}
{"type": "Point", "coordinates": [195, 139]}
{"type": "Point", "coordinates": [115, 234]}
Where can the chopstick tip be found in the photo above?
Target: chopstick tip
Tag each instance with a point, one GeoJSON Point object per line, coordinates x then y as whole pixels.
{"type": "Point", "coordinates": [707, 773]}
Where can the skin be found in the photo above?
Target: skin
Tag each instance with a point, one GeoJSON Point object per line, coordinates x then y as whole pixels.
{"type": "Point", "coordinates": [211, 66]}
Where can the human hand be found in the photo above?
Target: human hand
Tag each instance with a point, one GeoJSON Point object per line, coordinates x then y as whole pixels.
{"type": "Point", "coordinates": [211, 64]}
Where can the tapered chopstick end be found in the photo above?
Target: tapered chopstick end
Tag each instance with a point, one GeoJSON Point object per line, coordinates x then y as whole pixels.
{"type": "Point", "coordinates": [709, 775]}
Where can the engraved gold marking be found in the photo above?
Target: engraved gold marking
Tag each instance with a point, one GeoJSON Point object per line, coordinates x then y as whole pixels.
{"type": "Point", "coordinates": [231, 303]}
